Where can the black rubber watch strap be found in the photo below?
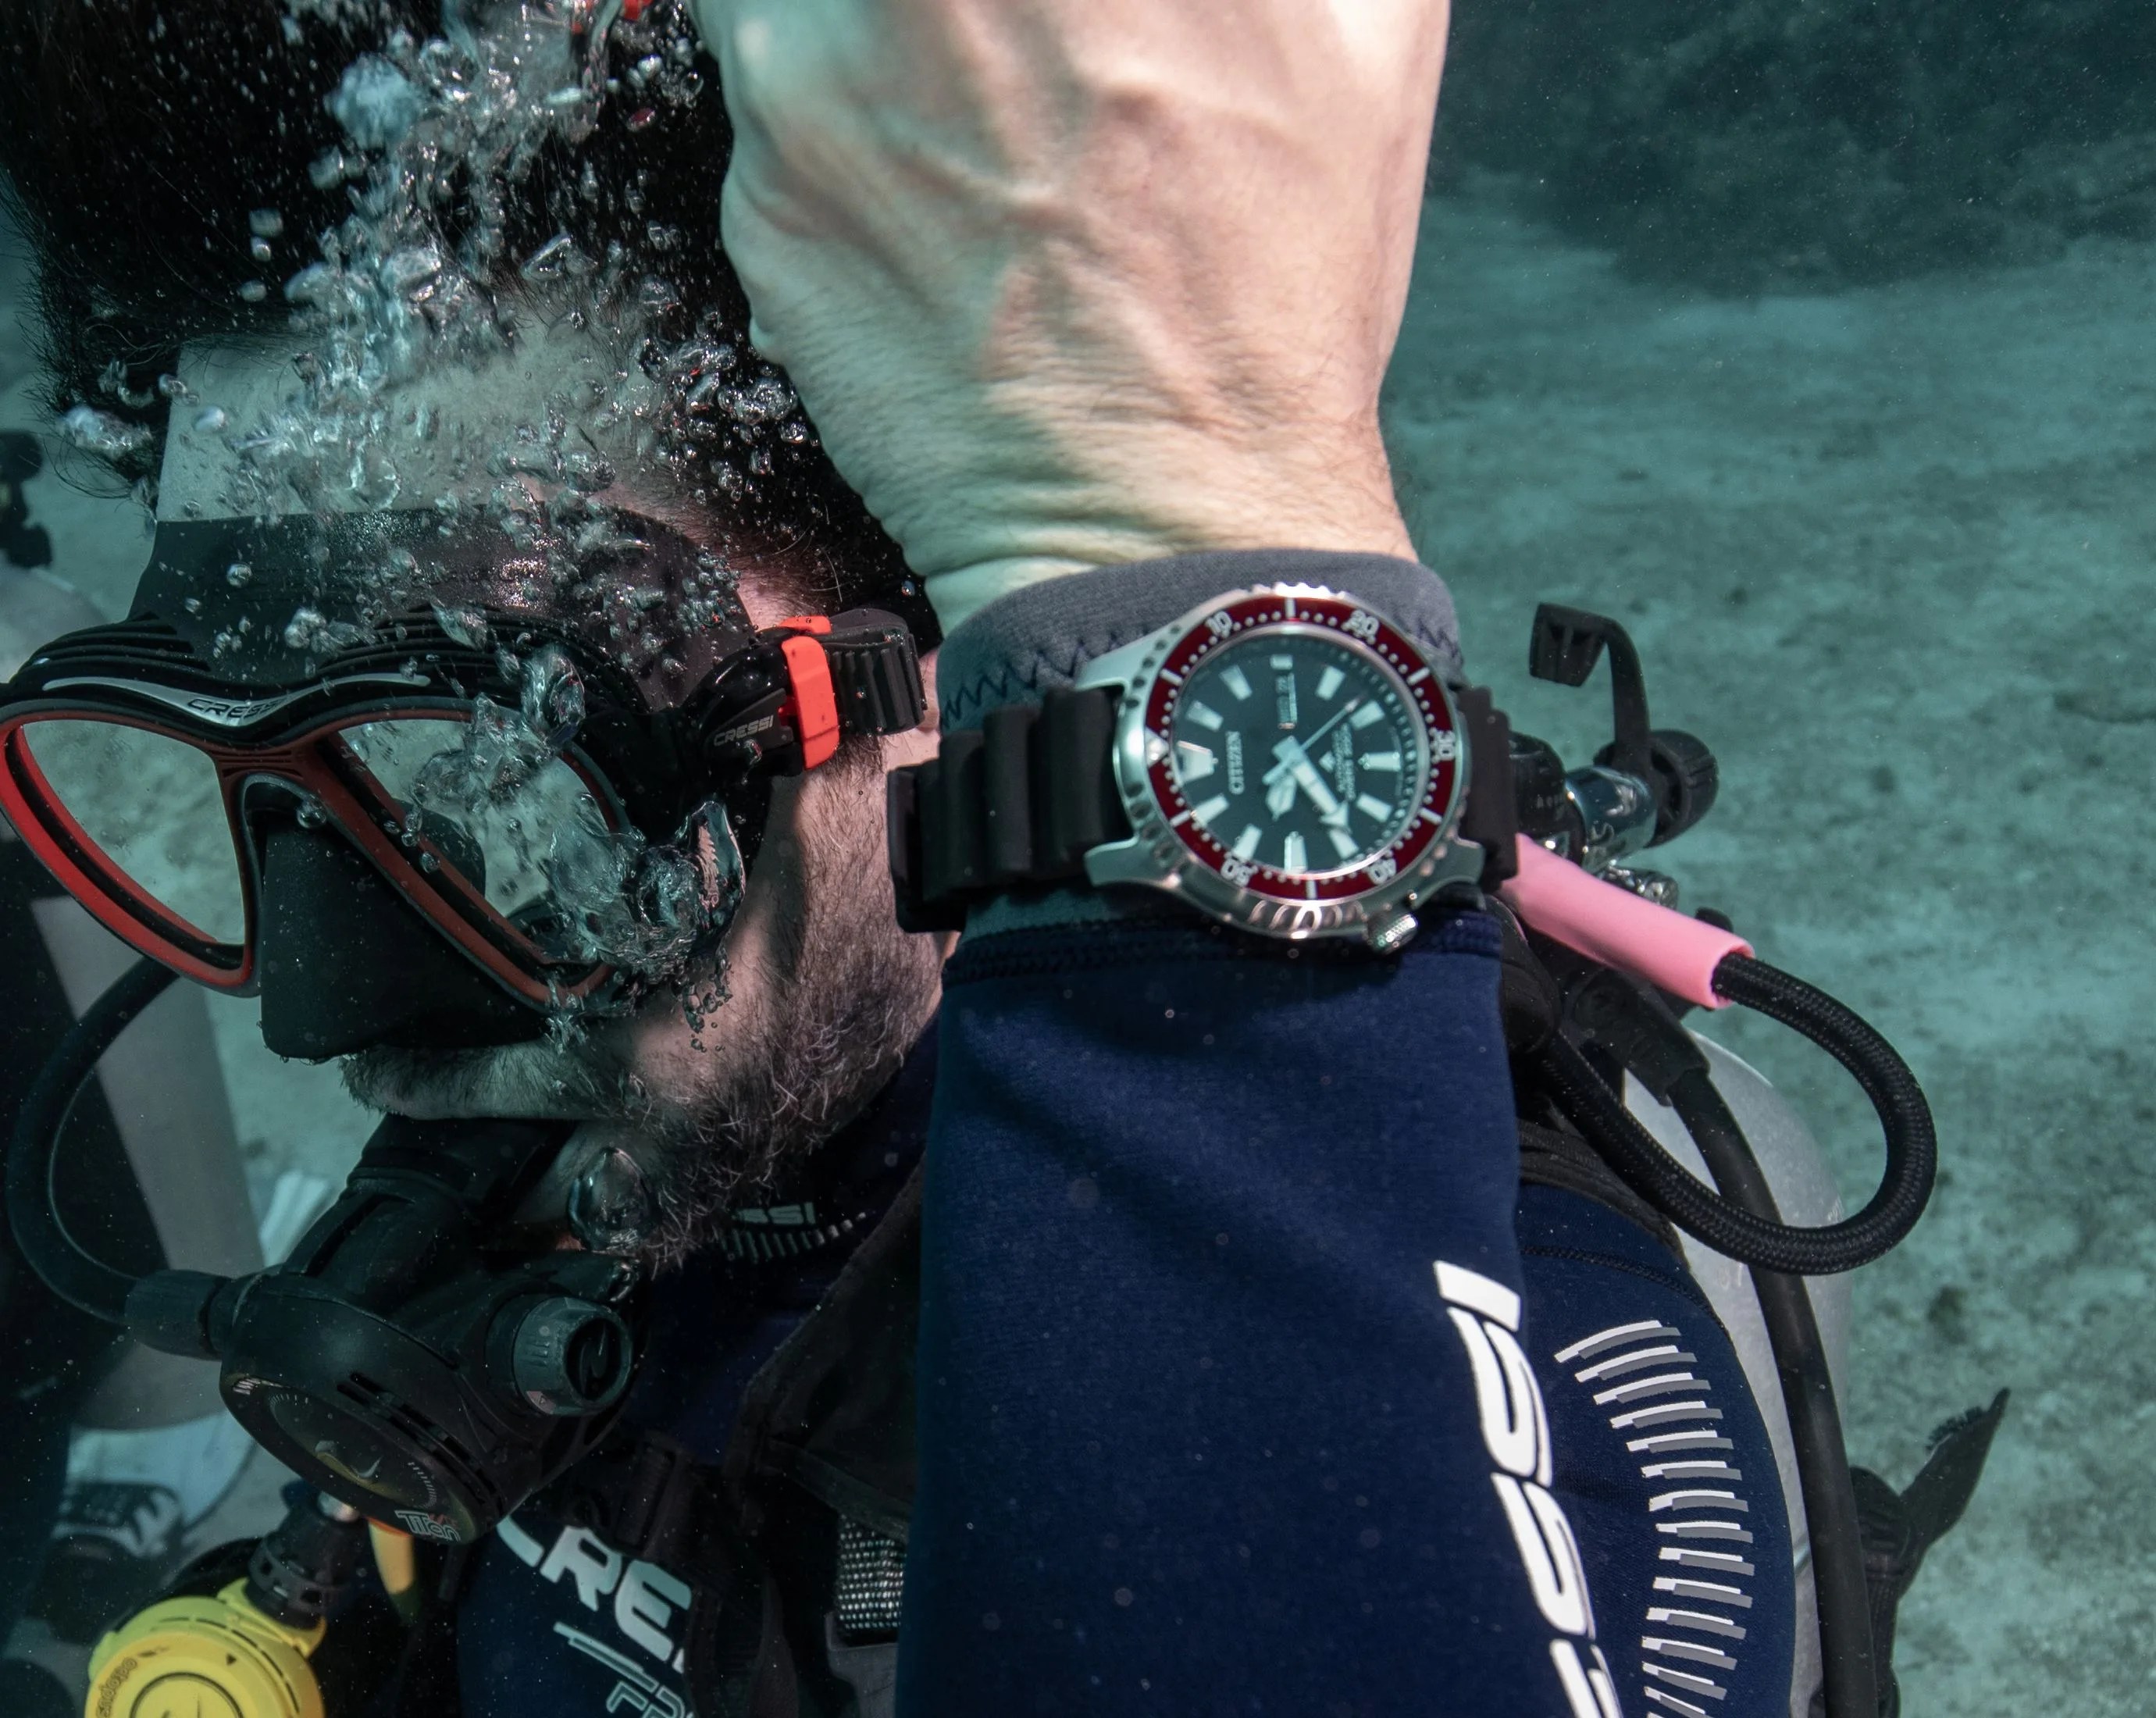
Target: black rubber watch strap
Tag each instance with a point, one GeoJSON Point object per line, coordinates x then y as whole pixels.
{"type": "Point", "coordinates": [1016, 802]}
{"type": "Point", "coordinates": [1020, 800]}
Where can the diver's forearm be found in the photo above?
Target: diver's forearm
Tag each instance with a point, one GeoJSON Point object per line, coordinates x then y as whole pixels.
{"type": "Point", "coordinates": [1072, 282]}
{"type": "Point", "coordinates": [1198, 1432]}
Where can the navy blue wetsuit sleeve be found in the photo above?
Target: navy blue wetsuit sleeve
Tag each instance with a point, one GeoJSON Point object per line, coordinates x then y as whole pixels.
{"type": "Point", "coordinates": [1224, 1404]}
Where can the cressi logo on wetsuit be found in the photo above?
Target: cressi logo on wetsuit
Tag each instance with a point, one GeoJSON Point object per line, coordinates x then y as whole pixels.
{"type": "Point", "coordinates": [619, 1622]}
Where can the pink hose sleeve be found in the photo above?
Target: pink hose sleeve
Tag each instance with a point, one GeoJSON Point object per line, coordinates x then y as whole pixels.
{"type": "Point", "coordinates": [1619, 928]}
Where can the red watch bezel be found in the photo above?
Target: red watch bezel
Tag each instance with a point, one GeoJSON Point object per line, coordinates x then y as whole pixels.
{"type": "Point", "coordinates": [1356, 625]}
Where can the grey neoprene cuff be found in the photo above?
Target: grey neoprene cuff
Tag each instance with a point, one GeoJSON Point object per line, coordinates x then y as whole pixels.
{"type": "Point", "coordinates": [1025, 644]}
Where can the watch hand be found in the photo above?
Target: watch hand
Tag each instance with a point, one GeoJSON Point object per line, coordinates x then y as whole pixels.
{"type": "Point", "coordinates": [1280, 795]}
{"type": "Point", "coordinates": [1304, 774]}
{"type": "Point", "coordinates": [1301, 748]}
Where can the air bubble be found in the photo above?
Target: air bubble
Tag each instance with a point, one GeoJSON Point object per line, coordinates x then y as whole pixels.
{"type": "Point", "coordinates": [550, 260]}
{"type": "Point", "coordinates": [428, 126]}
{"type": "Point", "coordinates": [409, 271]}
{"type": "Point", "coordinates": [467, 626]}
{"type": "Point", "coordinates": [101, 434]}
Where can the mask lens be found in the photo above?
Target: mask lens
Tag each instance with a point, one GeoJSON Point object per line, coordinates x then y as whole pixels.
{"type": "Point", "coordinates": [152, 807]}
{"type": "Point", "coordinates": [484, 804]}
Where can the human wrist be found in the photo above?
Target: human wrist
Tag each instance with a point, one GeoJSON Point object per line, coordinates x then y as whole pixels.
{"type": "Point", "coordinates": [1044, 638]}
{"type": "Point", "coordinates": [1037, 637]}
{"type": "Point", "coordinates": [1145, 502]}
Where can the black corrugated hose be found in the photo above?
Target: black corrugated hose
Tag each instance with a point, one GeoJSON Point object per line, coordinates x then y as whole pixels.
{"type": "Point", "coordinates": [1912, 1147]}
{"type": "Point", "coordinates": [34, 1152]}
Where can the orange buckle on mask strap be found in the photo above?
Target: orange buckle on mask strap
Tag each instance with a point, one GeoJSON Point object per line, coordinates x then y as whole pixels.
{"type": "Point", "coordinates": [814, 708]}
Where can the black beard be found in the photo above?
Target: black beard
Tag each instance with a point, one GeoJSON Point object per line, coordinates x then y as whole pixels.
{"type": "Point", "coordinates": [848, 994]}
{"type": "Point", "coordinates": [858, 995]}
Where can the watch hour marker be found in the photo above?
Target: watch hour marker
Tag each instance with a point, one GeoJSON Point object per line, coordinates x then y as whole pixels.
{"type": "Point", "coordinates": [1372, 807]}
{"type": "Point", "coordinates": [1365, 715]}
{"type": "Point", "coordinates": [1282, 663]}
{"type": "Point", "coordinates": [1328, 683]}
{"type": "Point", "coordinates": [1204, 716]}
{"type": "Point", "coordinates": [1211, 809]}
{"type": "Point", "coordinates": [1379, 763]}
{"type": "Point", "coordinates": [1193, 762]}
{"type": "Point", "coordinates": [1246, 844]}
{"type": "Point", "coordinates": [1343, 843]}
{"type": "Point", "coordinates": [1294, 856]}
{"type": "Point", "coordinates": [1236, 681]}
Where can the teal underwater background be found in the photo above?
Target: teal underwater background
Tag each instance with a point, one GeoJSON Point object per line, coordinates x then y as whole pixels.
{"type": "Point", "coordinates": [1817, 343]}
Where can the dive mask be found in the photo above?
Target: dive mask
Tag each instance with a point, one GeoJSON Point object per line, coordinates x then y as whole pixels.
{"type": "Point", "coordinates": [566, 803]}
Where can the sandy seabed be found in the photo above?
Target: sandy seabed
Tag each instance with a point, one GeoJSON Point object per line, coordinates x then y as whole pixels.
{"type": "Point", "coordinates": [1886, 550]}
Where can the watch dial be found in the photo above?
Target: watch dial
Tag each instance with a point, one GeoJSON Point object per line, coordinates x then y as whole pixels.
{"type": "Point", "coordinates": [1300, 748]}
{"type": "Point", "coordinates": [1298, 753]}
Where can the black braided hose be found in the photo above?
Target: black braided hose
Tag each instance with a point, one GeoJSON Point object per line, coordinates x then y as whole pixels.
{"type": "Point", "coordinates": [68, 1269]}
{"type": "Point", "coordinates": [1905, 1188]}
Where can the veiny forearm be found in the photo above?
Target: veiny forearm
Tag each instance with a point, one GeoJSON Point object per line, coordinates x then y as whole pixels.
{"type": "Point", "coordinates": [1066, 282]}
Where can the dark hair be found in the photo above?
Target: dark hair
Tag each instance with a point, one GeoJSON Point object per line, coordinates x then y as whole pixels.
{"type": "Point", "coordinates": [143, 135]}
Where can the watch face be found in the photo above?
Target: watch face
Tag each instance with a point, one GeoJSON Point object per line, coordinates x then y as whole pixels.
{"type": "Point", "coordinates": [1300, 747]}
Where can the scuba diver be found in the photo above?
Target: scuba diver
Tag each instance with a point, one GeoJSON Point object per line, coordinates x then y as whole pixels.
{"type": "Point", "coordinates": [1233, 1279]}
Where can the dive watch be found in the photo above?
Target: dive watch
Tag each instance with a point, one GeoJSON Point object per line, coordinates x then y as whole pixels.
{"type": "Point", "coordinates": [1284, 759]}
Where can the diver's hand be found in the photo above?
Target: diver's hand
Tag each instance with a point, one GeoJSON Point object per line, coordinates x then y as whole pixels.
{"type": "Point", "coordinates": [1068, 282]}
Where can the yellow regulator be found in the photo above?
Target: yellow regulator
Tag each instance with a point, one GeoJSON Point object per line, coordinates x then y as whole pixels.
{"type": "Point", "coordinates": [205, 1658]}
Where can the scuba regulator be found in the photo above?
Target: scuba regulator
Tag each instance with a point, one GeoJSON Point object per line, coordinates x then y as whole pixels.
{"type": "Point", "coordinates": [247, 1628]}
{"type": "Point", "coordinates": [422, 1361]}
{"type": "Point", "coordinates": [420, 1357]}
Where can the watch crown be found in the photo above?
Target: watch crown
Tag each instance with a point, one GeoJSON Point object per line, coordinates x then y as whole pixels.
{"type": "Point", "coordinates": [1394, 931]}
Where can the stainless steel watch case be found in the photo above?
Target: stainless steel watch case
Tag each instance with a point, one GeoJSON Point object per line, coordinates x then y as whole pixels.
{"type": "Point", "coordinates": [1155, 857]}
